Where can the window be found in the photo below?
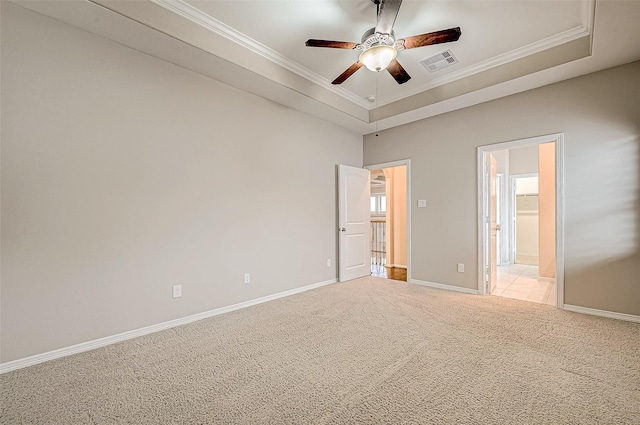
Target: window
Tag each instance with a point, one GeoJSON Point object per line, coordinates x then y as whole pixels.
{"type": "Point", "coordinates": [378, 204]}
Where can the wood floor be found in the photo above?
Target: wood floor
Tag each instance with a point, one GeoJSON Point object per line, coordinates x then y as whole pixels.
{"type": "Point", "coordinates": [389, 272]}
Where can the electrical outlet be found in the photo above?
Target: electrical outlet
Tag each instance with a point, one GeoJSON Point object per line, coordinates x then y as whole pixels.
{"type": "Point", "coordinates": [247, 277]}
{"type": "Point", "coordinates": [460, 268]}
{"type": "Point", "coordinates": [177, 291]}
{"type": "Point", "coordinates": [328, 262]}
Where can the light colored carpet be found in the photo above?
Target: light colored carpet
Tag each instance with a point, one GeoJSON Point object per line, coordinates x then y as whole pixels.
{"type": "Point", "coordinates": [365, 351]}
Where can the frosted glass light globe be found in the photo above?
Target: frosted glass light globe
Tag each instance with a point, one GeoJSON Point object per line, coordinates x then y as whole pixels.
{"type": "Point", "coordinates": [378, 57]}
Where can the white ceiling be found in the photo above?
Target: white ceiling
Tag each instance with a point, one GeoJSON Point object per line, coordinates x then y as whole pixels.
{"type": "Point", "coordinates": [506, 47]}
{"type": "Point", "coordinates": [499, 27]}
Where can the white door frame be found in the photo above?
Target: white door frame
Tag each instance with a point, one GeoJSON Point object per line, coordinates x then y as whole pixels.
{"type": "Point", "coordinates": [483, 151]}
{"type": "Point", "coordinates": [407, 163]}
{"type": "Point", "coordinates": [500, 185]}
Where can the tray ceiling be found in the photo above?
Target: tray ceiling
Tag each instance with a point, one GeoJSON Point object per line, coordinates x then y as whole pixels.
{"type": "Point", "coordinates": [258, 46]}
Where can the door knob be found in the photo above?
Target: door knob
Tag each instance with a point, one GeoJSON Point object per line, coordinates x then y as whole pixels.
{"type": "Point", "coordinates": [344, 229]}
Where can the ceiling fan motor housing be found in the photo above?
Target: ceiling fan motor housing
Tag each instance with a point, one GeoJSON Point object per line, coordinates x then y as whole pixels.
{"type": "Point", "coordinates": [372, 38]}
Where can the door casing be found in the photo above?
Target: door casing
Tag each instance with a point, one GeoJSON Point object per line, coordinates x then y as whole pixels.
{"type": "Point", "coordinates": [492, 222]}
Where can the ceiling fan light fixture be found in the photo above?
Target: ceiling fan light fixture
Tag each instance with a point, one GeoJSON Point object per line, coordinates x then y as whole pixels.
{"type": "Point", "coordinates": [378, 58]}
{"type": "Point", "coordinates": [379, 47]}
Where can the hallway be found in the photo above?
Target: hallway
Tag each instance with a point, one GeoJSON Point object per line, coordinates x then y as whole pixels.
{"type": "Point", "coordinates": [394, 273]}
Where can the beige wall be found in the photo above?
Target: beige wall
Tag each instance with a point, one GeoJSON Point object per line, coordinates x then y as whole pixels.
{"type": "Point", "coordinates": [547, 209]}
{"type": "Point", "coordinates": [599, 115]}
{"type": "Point", "coordinates": [523, 160]}
{"type": "Point", "coordinates": [123, 175]}
{"type": "Point", "coordinates": [396, 237]}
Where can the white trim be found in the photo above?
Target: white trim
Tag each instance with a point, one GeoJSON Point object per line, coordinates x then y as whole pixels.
{"type": "Point", "coordinates": [399, 163]}
{"type": "Point", "coordinates": [522, 52]}
{"type": "Point", "coordinates": [520, 143]}
{"type": "Point", "coordinates": [195, 15]}
{"type": "Point", "coordinates": [389, 164]}
{"type": "Point", "coordinates": [523, 175]}
{"type": "Point", "coordinates": [500, 218]}
{"type": "Point", "coordinates": [112, 339]}
{"type": "Point", "coordinates": [558, 138]}
{"type": "Point", "coordinates": [585, 28]}
{"type": "Point", "coordinates": [560, 221]}
{"type": "Point", "coordinates": [443, 286]}
{"type": "Point", "coordinates": [588, 17]}
{"type": "Point", "coordinates": [506, 212]}
{"type": "Point", "coordinates": [602, 313]}
{"type": "Point", "coordinates": [481, 190]}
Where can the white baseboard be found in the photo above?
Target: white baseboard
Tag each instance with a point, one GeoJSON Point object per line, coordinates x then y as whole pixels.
{"type": "Point", "coordinates": [602, 313]}
{"type": "Point", "coordinates": [101, 342]}
{"type": "Point", "coordinates": [445, 287]}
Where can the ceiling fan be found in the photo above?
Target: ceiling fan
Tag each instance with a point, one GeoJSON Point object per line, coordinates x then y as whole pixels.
{"type": "Point", "coordinates": [379, 46]}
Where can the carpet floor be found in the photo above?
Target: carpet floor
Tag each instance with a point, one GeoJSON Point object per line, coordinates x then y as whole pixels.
{"type": "Point", "coordinates": [365, 351]}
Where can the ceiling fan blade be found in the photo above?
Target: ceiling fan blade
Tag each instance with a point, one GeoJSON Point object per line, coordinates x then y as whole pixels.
{"type": "Point", "coordinates": [437, 37]}
{"type": "Point", "coordinates": [387, 13]}
{"type": "Point", "coordinates": [348, 73]}
{"type": "Point", "coordinates": [331, 44]}
{"type": "Point", "coordinates": [397, 72]}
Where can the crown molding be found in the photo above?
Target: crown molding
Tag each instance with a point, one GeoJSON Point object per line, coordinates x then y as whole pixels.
{"type": "Point", "coordinates": [584, 29]}
{"type": "Point", "coordinates": [208, 22]}
{"type": "Point", "coordinates": [195, 15]}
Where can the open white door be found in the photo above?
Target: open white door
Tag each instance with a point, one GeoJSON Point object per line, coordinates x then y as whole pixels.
{"type": "Point", "coordinates": [490, 271]}
{"type": "Point", "coordinates": [354, 222]}
{"type": "Point", "coordinates": [493, 224]}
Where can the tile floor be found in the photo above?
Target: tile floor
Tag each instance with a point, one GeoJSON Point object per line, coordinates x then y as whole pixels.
{"type": "Point", "coordinates": [522, 282]}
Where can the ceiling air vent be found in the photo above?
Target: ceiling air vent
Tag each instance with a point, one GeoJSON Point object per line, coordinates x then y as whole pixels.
{"type": "Point", "coordinates": [439, 61]}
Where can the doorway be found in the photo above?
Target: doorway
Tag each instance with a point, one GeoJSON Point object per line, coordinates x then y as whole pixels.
{"type": "Point", "coordinates": [389, 207]}
{"type": "Point", "coordinates": [520, 230]}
